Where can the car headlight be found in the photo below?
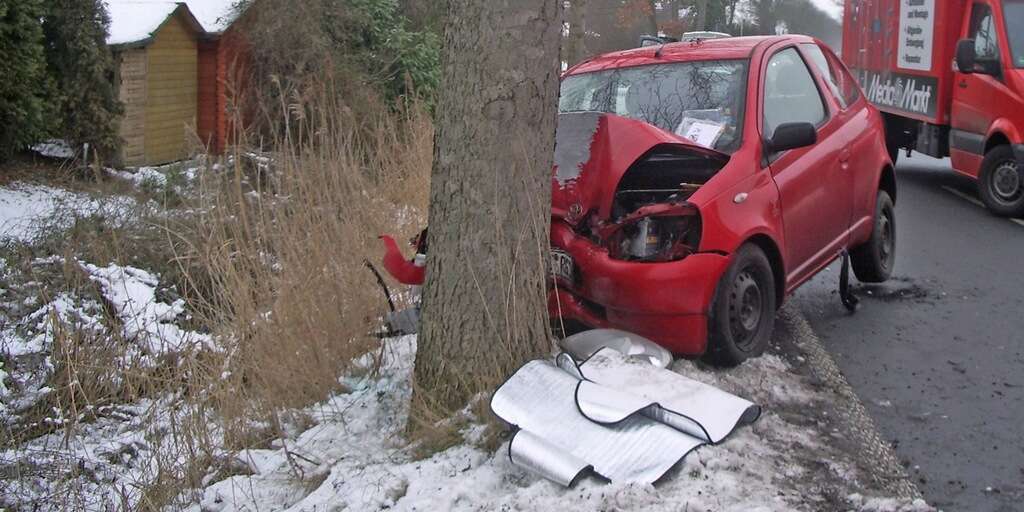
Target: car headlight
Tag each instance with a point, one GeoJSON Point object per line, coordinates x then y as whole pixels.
{"type": "Point", "coordinates": [655, 234]}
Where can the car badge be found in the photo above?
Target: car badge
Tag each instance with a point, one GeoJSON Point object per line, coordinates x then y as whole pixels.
{"type": "Point", "coordinates": [575, 211]}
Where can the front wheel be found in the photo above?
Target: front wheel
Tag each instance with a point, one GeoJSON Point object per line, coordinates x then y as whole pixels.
{"type": "Point", "coordinates": [743, 314]}
{"type": "Point", "coordinates": [1001, 183]}
{"type": "Point", "coordinates": [873, 261]}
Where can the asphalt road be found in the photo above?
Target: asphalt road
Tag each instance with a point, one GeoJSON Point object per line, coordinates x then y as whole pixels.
{"type": "Point", "coordinates": [937, 354]}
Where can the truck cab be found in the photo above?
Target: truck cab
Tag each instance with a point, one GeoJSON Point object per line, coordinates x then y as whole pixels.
{"type": "Point", "coordinates": [948, 76]}
{"type": "Point", "coordinates": [987, 123]}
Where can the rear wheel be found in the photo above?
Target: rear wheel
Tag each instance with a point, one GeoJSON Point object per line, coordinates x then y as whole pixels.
{"type": "Point", "coordinates": [743, 314]}
{"type": "Point", "coordinates": [1001, 183]}
{"type": "Point", "coordinates": [873, 261]}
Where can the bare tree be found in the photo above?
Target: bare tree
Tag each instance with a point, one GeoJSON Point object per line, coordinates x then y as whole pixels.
{"type": "Point", "coordinates": [576, 45]}
{"type": "Point", "coordinates": [701, 6]}
{"type": "Point", "coordinates": [484, 304]}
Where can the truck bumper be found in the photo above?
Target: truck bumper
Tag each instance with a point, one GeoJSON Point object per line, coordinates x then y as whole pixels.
{"type": "Point", "coordinates": [666, 302]}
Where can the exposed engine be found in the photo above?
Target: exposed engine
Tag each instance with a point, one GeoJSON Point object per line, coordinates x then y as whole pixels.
{"type": "Point", "coordinates": [666, 174]}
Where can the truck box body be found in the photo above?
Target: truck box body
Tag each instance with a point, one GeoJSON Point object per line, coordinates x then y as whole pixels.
{"type": "Point", "coordinates": [902, 53]}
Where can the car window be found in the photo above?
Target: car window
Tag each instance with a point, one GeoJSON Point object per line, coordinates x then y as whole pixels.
{"type": "Point", "coordinates": [790, 95]}
{"type": "Point", "coordinates": [983, 31]}
{"type": "Point", "coordinates": [1013, 14]}
{"type": "Point", "coordinates": [838, 79]}
{"type": "Point", "coordinates": [699, 100]}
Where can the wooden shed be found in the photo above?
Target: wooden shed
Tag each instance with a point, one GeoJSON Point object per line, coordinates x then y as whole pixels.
{"type": "Point", "coordinates": [155, 46]}
{"type": "Point", "coordinates": [223, 58]}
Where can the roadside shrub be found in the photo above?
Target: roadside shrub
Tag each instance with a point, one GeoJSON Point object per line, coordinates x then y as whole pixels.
{"type": "Point", "coordinates": [365, 48]}
{"type": "Point", "coordinates": [24, 87]}
{"type": "Point", "coordinates": [82, 68]}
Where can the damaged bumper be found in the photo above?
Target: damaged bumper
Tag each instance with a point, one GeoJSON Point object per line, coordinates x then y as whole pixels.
{"type": "Point", "coordinates": [667, 302]}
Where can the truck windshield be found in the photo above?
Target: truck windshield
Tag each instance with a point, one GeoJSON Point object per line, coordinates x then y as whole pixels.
{"type": "Point", "coordinates": [1013, 12]}
{"type": "Point", "coordinates": [700, 100]}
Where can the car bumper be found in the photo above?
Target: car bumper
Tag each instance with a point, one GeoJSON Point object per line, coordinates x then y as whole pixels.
{"type": "Point", "coordinates": [666, 302]}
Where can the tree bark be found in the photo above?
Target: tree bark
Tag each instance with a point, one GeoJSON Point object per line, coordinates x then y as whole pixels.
{"type": "Point", "coordinates": [484, 301]}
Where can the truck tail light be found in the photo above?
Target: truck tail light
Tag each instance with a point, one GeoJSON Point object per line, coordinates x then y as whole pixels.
{"type": "Point", "coordinates": [655, 236]}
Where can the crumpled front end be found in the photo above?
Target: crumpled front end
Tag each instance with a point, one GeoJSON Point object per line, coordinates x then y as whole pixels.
{"type": "Point", "coordinates": [625, 240]}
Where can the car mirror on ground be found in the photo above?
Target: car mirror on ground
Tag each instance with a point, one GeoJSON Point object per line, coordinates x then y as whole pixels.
{"type": "Point", "coordinates": [791, 136]}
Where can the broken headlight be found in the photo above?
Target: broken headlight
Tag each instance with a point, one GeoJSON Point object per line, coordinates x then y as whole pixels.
{"type": "Point", "coordinates": [655, 236]}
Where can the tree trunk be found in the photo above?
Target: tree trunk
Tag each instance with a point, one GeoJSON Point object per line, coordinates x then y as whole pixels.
{"type": "Point", "coordinates": [484, 302]}
{"type": "Point", "coordinates": [652, 18]}
{"type": "Point", "coordinates": [576, 47]}
{"type": "Point", "coordinates": [702, 15]}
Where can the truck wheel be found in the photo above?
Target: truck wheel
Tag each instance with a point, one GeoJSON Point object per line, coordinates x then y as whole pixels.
{"type": "Point", "coordinates": [1001, 184]}
{"type": "Point", "coordinates": [743, 314]}
{"type": "Point", "coordinates": [874, 260]}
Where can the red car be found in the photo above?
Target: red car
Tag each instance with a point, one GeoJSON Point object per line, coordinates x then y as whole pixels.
{"type": "Point", "coordinates": [699, 183]}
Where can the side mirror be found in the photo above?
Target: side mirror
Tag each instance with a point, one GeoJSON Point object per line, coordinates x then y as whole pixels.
{"type": "Point", "coordinates": [791, 136]}
{"type": "Point", "coordinates": [966, 58]}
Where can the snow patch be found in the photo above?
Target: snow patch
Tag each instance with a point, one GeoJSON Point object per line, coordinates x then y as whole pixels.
{"type": "Point", "coordinates": [146, 320]}
{"type": "Point", "coordinates": [54, 148]}
{"type": "Point", "coordinates": [26, 210]}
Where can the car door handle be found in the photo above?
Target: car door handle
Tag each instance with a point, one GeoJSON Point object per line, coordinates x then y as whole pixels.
{"type": "Point", "coordinates": [962, 84]}
{"type": "Point", "coordinates": [844, 156]}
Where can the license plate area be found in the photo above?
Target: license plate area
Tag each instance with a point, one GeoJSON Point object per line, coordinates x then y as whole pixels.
{"type": "Point", "coordinates": [563, 267]}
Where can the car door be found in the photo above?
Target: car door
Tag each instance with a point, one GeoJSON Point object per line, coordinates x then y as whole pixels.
{"type": "Point", "coordinates": [977, 97]}
{"type": "Point", "coordinates": [854, 131]}
{"type": "Point", "coordinates": [813, 188]}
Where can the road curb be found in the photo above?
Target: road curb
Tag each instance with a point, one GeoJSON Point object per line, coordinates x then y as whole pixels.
{"type": "Point", "coordinates": [889, 474]}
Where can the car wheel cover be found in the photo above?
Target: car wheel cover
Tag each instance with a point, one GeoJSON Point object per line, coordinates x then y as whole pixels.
{"type": "Point", "coordinates": [1006, 183]}
{"type": "Point", "coordinates": [745, 304]}
{"type": "Point", "coordinates": [886, 246]}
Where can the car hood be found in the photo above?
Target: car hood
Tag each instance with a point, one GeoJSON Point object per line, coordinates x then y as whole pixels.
{"type": "Point", "coordinates": [594, 150]}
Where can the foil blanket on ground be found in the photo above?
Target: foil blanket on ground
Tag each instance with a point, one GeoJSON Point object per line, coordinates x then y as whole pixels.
{"type": "Point", "coordinates": [624, 419]}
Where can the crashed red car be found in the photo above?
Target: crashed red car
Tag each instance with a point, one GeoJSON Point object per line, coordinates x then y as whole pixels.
{"type": "Point", "coordinates": [698, 183]}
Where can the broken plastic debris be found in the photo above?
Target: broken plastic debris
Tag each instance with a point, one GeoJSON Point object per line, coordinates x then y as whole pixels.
{"type": "Point", "coordinates": [585, 344]}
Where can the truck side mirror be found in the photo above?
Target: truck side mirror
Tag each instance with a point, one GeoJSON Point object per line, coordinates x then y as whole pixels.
{"type": "Point", "coordinates": [791, 136]}
{"type": "Point", "coordinates": [966, 58]}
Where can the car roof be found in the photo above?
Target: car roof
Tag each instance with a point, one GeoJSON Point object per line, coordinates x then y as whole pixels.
{"type": "Point", "coordinates": [685, 51]}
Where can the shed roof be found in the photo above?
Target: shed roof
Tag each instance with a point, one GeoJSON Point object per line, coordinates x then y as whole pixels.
{"type": "Point", "coordinates": [133, 22]}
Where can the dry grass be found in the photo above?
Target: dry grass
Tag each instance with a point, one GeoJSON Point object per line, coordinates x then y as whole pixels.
{"type": "Point", "coordinates": [270, 261]}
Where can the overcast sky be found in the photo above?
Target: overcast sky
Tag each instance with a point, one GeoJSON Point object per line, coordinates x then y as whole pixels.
{"type": "Point", "coordinates": [833, 7]}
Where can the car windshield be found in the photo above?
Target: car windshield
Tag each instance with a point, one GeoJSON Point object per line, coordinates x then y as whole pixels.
{"type": "Point", "coordinates": [1013, 12]}
{"type": "Point", "coordinates": [700, 100]}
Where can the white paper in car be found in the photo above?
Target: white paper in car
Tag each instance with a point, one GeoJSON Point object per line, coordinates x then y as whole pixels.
{"type": "Point", "coordinates": [560, 443]}
{"type": "Point", "coordinates": [698, 409]}
{"type": "Point", "coordinates": [703, 132]}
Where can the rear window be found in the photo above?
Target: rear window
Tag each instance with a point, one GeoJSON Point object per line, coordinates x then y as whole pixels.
{"type": "Point", "coordinates": [839, 81]}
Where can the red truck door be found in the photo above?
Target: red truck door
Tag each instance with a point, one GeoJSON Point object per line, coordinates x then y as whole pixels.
{"type": "Point", "coordinates": [977, 96]}
{"type": "Point", "coordinates": [813, 186]}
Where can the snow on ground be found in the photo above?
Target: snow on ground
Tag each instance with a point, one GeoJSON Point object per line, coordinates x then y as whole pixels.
{"type": "Point", "coordinates": [54, 148]}
{"type": "Point", "coordinates": [356, 454]}
{"type": "Point", "coordinates": [27, 209]}
{"type": "Point", "coordinates": [146, 324]}
{"type": "Point", "coordinates": [102, 465]}
{"type": "Point", "coordinates": [132, 293]}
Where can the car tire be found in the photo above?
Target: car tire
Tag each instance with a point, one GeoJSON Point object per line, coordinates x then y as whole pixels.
{"type": "Point", "coordinates": [874, 261]}
{"type": "Point", "coordinates": [1001, 183]}
{"type": "Point", "coordinates": [743, 314]}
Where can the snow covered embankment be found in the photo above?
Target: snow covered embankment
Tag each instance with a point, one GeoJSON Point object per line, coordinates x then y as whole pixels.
{"type": "Point", "coordinates": [357, 456]}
